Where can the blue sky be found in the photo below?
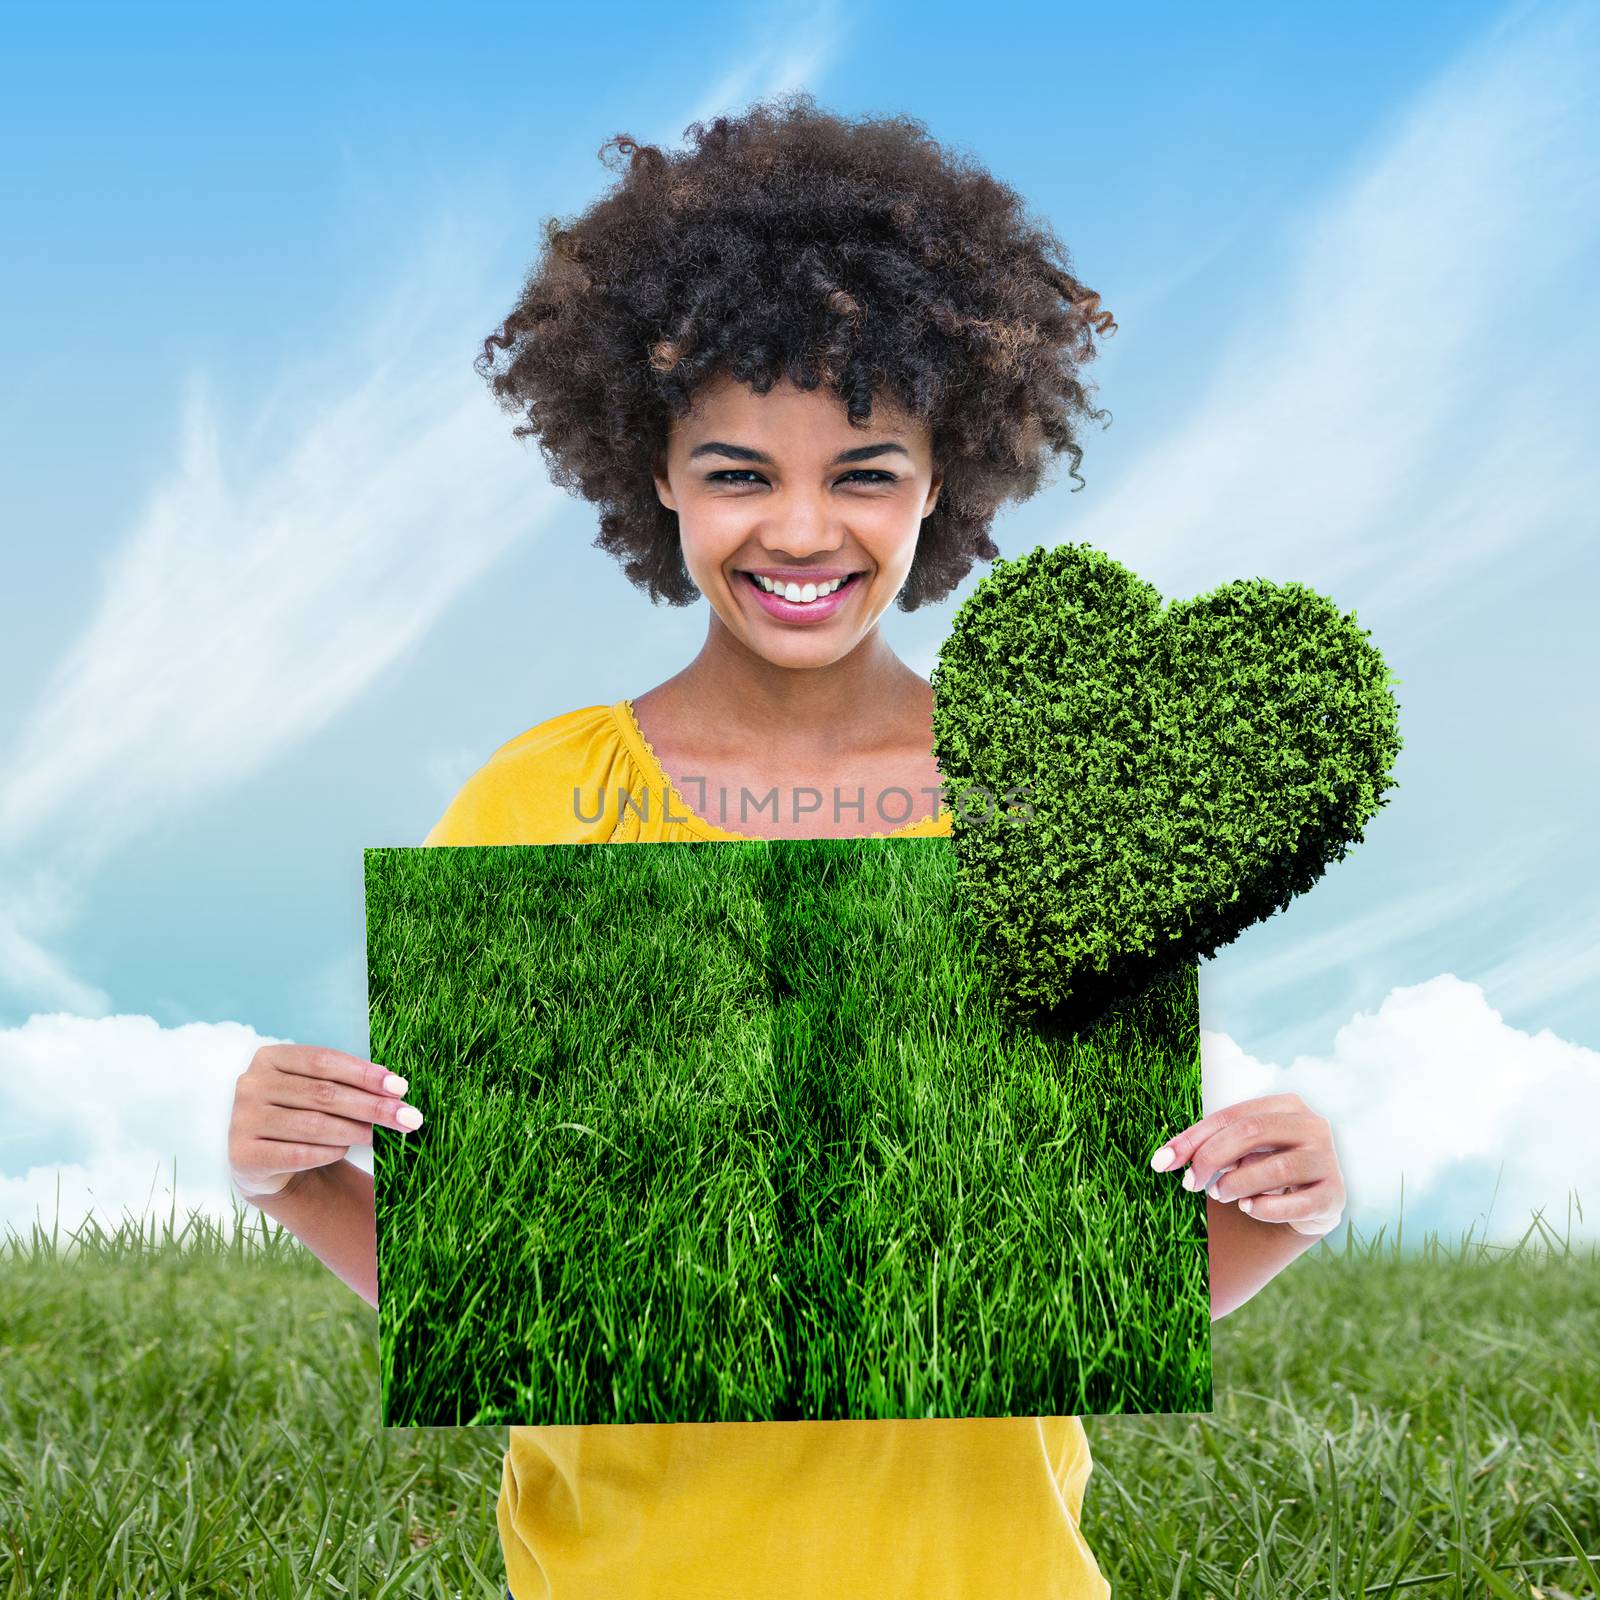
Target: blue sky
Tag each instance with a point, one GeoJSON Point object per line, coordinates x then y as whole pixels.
{"type": "Point", "coordinates": [279, 579]}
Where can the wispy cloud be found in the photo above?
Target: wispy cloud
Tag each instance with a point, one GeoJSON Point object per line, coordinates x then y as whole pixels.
{"type": "Point", "coordinates": [31, 970]}
{"type": "Point", "coordinates": [273, 578]}
{"type": "Point", "coordinates": [1548, 968]}
{"type": "Point", "coordinates": [793, 47]}
{"type": "Point", "coordinates": [1397, 921]}
{"type": "Point", "coordinates": [1402, 413]}
{"type": "Point", "coordinates": [286, 564]}
{"type": "Point", "coordinates": [36, 909]}
{"type": "Point", "coordinates": [257, 598]}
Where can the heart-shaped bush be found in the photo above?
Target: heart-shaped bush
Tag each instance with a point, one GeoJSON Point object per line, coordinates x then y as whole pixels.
{"type": "Point", "coordinates": [1134, 785]}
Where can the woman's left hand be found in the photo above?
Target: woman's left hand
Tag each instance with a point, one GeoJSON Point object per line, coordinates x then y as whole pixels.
{"type": "Point", "coordinates": [1273, 1154]}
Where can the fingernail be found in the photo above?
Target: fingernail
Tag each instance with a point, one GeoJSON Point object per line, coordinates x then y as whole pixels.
{"type": "Point", "coordinates": [1244, 1205]}
{"type": "Point", "coordinates": [408, 1117]}
{"type": "Point", "coordinates": [394, 1084]}
{"type": "Point", "coordinates": [1162, 1159]}
{"type": "Point", "coordinates": [1188, 1179]}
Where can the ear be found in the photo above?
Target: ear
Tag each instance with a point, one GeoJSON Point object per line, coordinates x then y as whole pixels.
{"type": "Point", "coordinates": [658, 471]}
{"type": "Point", "coordinates": [933, 495]}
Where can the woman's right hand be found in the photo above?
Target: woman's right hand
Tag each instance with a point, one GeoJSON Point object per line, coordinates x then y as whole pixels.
{"type": "Point", "coordinates": [300, 1106]}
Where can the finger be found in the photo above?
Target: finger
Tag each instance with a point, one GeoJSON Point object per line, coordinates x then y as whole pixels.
{"type": "Point", "coordinates": [321, 1061]}
{"type": "Point", "coordinates": [1313, 1204]}
{"type": "Point", "coordinates": [316, 1127]}
{"type": "Point", "coordinates": [1262, 1173]}
{"type": "Point", "coordinates": [1249, 1157]}
{"type": "Point", "coordinates": [1269, 1131]}
{"type": "Point", "coordinates": [1181, 1147]}
{"type": "Point", "coordinates": [336, 1098]}
{"type": "Point", "coordinates": [280, 1155]}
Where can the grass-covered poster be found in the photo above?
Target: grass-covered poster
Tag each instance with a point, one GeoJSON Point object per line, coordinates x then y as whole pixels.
{"type": "Point", "coordinates": [734, 1130]}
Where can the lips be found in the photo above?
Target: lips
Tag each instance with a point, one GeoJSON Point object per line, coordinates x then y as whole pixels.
{"type": "Point", "coordinates": [802, 610]}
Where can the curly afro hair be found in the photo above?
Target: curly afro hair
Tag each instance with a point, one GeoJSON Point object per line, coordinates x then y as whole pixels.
{"type": "Point", "coordinates": [789, 242]}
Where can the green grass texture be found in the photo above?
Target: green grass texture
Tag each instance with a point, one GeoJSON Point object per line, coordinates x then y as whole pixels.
{"type": "Point", "coordinates": [737, 1130]}
{"type": "Point", "coordinates": [187, 1410]}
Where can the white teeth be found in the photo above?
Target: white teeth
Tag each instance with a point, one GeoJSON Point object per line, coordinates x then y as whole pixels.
{"type": "Point", "coordinates": [802, 594]}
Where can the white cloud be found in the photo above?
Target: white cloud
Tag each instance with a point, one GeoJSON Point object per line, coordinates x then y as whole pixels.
{"type": "Point", "coordinates": [1435, 1085]}
{"type": "Point", "coordinates": [121, 1098]}
{"type": "Point", "coordinates": [122, 1104]}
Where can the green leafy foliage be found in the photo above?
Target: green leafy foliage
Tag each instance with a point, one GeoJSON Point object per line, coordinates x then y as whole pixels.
{"type": "Point", "coordinates": [1136, 784]}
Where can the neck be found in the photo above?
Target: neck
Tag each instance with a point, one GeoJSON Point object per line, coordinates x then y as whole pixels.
{"type": "Point", "coordinates": [738, 700]}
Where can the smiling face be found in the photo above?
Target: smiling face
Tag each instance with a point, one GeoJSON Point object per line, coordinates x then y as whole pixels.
{"type": "Point", "coordinates": [781, 487]}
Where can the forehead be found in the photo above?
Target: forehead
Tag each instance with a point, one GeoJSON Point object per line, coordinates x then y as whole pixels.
{"type": "Point", "coordinates": [785, 414]}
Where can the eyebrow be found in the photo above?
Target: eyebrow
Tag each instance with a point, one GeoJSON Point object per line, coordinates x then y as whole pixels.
{"type": "Point", "coordinates": [739, 452]}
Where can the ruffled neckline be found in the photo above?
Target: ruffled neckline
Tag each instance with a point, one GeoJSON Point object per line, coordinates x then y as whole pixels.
{"type": "Point", "coordinates": [656, 779]}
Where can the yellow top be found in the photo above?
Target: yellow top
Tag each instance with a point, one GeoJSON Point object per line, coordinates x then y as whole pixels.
{"type": "Point", "coordinates": [937, 1508]}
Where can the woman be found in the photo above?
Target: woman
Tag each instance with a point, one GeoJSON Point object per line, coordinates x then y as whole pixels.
{"type": "Point", "coordinates": [798, 367]}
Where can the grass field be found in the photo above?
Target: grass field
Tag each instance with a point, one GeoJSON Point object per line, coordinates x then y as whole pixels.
{"type": "Point", "coordinates": [737, 1131]}
{"type": "Point", "coordinates": [188, 1413]}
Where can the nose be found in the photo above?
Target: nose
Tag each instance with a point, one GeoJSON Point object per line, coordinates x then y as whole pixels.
{"type": "Point", "coordinates": [800, 523]}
